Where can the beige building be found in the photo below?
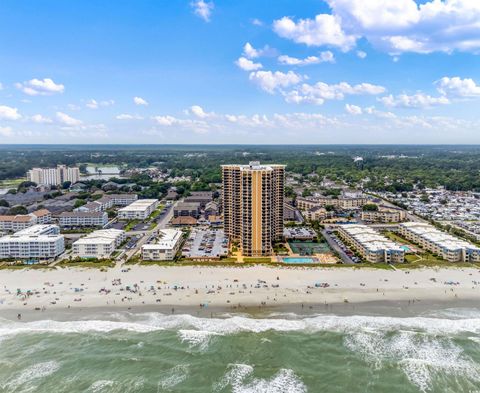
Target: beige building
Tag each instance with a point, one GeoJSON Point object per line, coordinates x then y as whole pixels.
{"type": "Point", "coordinates": [54, 176]}
{"type": "Point", "coordinates": [253, 199]}
{"type": "Point", "coordinates": [342, 202]}
{"type": "Point", "coordinates": [99, 244]}
{"type": "Point", "coordinates": [446, 246]}
{"type": "Point", "coordinates": [372, 246]}
{"type": "Point", "coordinates": [384, 214]}
{"type": "Point", "coordinates": [165, 249]}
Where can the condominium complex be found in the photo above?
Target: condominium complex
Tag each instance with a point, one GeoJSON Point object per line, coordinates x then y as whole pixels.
{"type": "Point", "coordinates": [165, 249]}
{"type": "Point", "coordinates": [122, 199]}
{"type": "Point", "coordinates": [440, 243]}
{"type": "Point", "coordinates": [253, 199]}
{"type": "Point", "coordinates": [83, 219]}
{"type": "Point", "coordinates": [35, 242]}
{"type": "Point", "coordinates": [98, 244]}
{"type": "Point", "coordinates": [345, 202]}
{"type": "Point", "coordinates": [372, 246]}
{"type": "Point", "coordinates": [22, 221]}
{"type": "Point", "coordinates": [53, 176]}
{"type": "Point", "coordinates": [138, 210]}
{"type": "Point", "coordinates": [384, 214]}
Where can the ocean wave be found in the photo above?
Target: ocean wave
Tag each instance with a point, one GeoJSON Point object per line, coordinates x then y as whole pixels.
{"type": "Point", "coordinates": [238, 377]}
{"type": "Point", "coordinates": [173, 377]}
{"type": "Point", "coordinates": [421, 357]}
{"type": "Point", "coordinates": [149, 322]}
{"type": "Point", "coordinates": [31, 374]}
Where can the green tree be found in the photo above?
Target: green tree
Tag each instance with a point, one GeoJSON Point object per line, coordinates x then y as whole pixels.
{"type": "Point", "coordinates": [4, 203]}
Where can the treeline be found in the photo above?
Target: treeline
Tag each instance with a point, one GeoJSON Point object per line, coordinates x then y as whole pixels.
{"type": "Point", "coordinates": [377, 168]}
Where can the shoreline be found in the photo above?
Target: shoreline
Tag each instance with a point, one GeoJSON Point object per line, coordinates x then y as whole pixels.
{"type": "Point", "coordinates": [257, 291]}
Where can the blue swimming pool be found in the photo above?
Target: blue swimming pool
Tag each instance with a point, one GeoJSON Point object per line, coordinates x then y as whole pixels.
{"type": "Point", "coordinates": [299, 260]}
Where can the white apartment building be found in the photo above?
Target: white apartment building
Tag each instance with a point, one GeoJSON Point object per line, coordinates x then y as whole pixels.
{"type": "Point", "coordinates": [54, 176]}
{"type": "Point", "coordinates": [122, 199]}
{"type": "Point", "coordinates": [98, 244]}
{"type": "Point", "coordinates": [342, 202]}
{"type": "Point", "coordinates": [35, 242]}
{"type": "Point", "coordinates": [446, 246]}
{"type": "Point", "coordinates": [138, 210]}
{"type": "Point", "coordinates": [83, 219]}
{"type": "Point", "coordinates": [22, 221]}
{"type": "Point", "coordinates": [165, 249]}
{"type": "Point", "coordinates": [372, 246]}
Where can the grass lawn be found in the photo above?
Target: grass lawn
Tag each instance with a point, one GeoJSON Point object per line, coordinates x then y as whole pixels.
{"type": "Point", "coordinates": [98, 264]}
{"type": "Point", "coordinates": [12, 183]}
{"type": "Point", "coordinates": [130, 225]}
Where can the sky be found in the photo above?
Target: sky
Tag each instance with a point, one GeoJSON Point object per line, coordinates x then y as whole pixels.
{"type": "Point", "coordinates": [247, 72]}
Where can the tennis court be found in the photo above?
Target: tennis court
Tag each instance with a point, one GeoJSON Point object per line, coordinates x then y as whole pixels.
{"type": "Point", "coordinates": [308, 248]}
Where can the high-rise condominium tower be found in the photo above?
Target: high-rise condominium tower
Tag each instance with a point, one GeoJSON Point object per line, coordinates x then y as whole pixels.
{"type": "Point", "coordinates": [54, 176]}
{"type": "Point", "coordinates": [253, 205]}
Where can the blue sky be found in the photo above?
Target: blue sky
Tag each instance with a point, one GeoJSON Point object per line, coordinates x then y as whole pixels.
{"type": "Point", "coordinates": [310, 71]}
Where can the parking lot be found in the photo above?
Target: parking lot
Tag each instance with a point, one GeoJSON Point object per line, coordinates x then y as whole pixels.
{"type": "Point", "coordinates": [206, 244]}
{"type": "Point", "coordinates": [337, 244]}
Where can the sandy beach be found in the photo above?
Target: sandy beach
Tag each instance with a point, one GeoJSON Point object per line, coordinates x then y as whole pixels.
{"type": "Point", "coordinates": [202, 288]}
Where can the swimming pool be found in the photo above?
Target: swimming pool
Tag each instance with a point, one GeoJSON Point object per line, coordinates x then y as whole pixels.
{"type": "Point", "coordinates": [299, 260]}
{"type": "Point", "coordinates": [405, 248]}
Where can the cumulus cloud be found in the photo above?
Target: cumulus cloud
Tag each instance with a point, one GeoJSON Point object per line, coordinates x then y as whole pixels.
{"type": "Point", "coordinates": [325, 29]}
{"type": "Point", "coordinates": [417, 100]}
{"type": "Point", "coordinates": [198, 111]}
{"type": "Point", "coordinates": [318, 93]}
{"type": "Point", "coordinates": [40, 119]}
{"type": "Point", "coordinates": [40, 87]}
{"type": "Point", "coordinates": [361, 54]}
{"type": "Point", "coordinates": [203, 9]}
{"type": "Point", "coordinates": [67, 120]}
{"type": "Point", "coordinates": [395, 26]}
{"type": "Point", "coordinates": [94, 104]}
{"type": "Point", "coordinates": [324, 57]}
{"type": "Point", "coordinates": [271, 81]}
{"type": "Point", "coordinates": [6, 131]}
{"type": "Point", "coordinates": [247, 64]}
{"type": "Point", "coordinates": [127, 116]}
{"type": "Point", "coordinates": [257, 22]}
{"type": "Point", "coordinates": [252, 53]}
{"type": "Point", "coordinates": [140, 101]}
{"type": "Point", "coordinates": [165, 120]}
{"type": "Point", "coordinates": [9, 113]}
{"type": "Point", "coordinates": [457, 87]}
{"type": "Point", "coordinates": [353, 109]}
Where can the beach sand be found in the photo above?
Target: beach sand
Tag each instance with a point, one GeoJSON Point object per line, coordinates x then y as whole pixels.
{"type": "Point", "coordinates": [204, 290]}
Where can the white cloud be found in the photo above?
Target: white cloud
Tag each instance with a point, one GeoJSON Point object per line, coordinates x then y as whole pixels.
{"type": "Point", "coordinates": [165, 120]}
{"type": "Point", "coordinates": [140, 101]}
{"type": "Point", "coordinates": [67, 120]}
{"type": "Point", "coordinates": [251, 53]}
{"type": "Point", "coordinates": [395, 26]}
{"type": "Point", "coordinates": [40, 87]}
{"type": "Point", "coordinates": [198, 111]}
{"type": "Point", "coordinates": [323, 30]}
{"type": "Point", "coordinates": [457, 87]}
{"type": "Point", "coordinates": [257, 22]}
{"type": "Point", "coordinates": [324, 57]}
{"type": "Point", "coordinates": [94, 104]}
{"type": "Point", "coordinates": [353, 109]}
{"type": "Point", "coordinates": [9, 113]}
{"type": "Point", "coordinates": [417, 100]}
{"type": "Point", "coordinates": [248, 65]}
{"type": "Point", "coordinates": [126, 116]}
{"type": "Point", "coordinates": [40, 119]}
{"type": "Point", "coordinates": [203, 9]}
{"type": "Point", "coordinates": [361, 54]}
{"type": "Point", "coordinates": [6, 131]}
{"type": "Point", "coordinates": [270, 81]}
{"type": "Point", "coordinates": [319, 92]}
{"type": "Point", "coordinates": [1, 86]}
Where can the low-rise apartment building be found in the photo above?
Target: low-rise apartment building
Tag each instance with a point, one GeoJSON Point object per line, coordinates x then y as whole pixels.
{"type": "Point", "coordinates": [98, 244]}
{"type": "Point", "coordinates": [384, 214]}
{"type": "Point", "coordinates": [342, 202]}
{"type": "Point", "coordinates": [36, 242]}
{"type": "Point", "coordinates": [122, 199]}
{"type": "Point", "coordinates": [372, 246]}
{"type": "Point", "coordinates": [446, 246]}
{"type": "Point", "coordinates": [138, 210]}
{"type": "Point", "coordinates": [83, 219]}
{"type": "Point", "coordinates": [184, 209]}
{"type": "Point", "coordinates": [165, 249]}
{"type": "Point", "coordinates": [22, 221]}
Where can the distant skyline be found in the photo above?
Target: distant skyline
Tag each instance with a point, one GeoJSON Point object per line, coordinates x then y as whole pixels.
{"type": "Point", "coordinates": [240, 72]}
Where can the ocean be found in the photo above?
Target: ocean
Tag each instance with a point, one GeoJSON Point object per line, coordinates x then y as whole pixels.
{"type": "Point", "coordinates": [152, 352]}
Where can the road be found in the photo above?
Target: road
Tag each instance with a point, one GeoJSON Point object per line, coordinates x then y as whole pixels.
{"type": "Point", "coordinates": [162, 223]}
{"type": "Point", "coordinates": [334, 246]}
